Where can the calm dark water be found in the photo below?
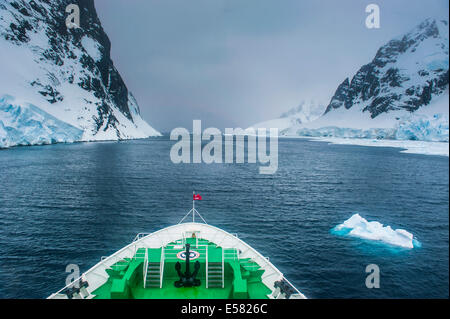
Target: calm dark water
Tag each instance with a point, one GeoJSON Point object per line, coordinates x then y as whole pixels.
{"type": "Point", "coordinates": [72, 204]}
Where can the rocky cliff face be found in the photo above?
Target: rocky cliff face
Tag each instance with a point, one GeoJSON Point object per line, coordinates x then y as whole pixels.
{"type": "Point", "coordinates": [406, 73]}
{"type": "Point", "coordinates": [67, 73]}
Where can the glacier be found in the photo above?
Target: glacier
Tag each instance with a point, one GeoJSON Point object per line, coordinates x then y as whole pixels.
{"type": "Point", "coordinates": [62, 77]}
{"type": "Point", "coordinates": [417, 128]}
{"type": "Point", "coordinates": [357, 226]}
{"type": "Point", "coordinates": [27, 124]}
{"type": "Point", "coordinates": [429, 123]}
{"type": "Point", "coordinates": [399, 99]}
{"type": "Point", "coordinates": [425, 131]}
{"type": "Point", "coordinates": [423, 128]}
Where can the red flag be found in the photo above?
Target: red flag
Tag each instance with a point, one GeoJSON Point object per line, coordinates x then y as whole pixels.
{"type": "Point", "coordinates": [197, 197]}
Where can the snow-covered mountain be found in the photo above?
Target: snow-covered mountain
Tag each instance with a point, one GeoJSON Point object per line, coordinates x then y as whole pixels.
{"type": "Point", "coordinates": [59, 84]}
{"type": "Point", "coordinates": [401, 94]}
{"type": "Point", "coordinates": [306, 111]}
{"type": "Point", "coordinates": [430, 123]}
{"type": "Point", "coordinates": [404, 75]}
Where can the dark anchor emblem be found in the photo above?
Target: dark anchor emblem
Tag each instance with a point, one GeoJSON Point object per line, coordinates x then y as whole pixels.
{"type": "Point", "coordinates": [187, 279]}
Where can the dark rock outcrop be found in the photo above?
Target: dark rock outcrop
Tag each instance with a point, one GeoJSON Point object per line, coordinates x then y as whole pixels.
{"type": "Point", "coordinates": [405, 74]}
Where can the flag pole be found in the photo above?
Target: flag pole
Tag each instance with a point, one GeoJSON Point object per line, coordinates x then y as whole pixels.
{"type": "Point", "coordinates": [193, 207]}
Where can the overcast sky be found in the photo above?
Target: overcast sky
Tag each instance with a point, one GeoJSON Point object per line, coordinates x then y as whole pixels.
{"type": "Point", "coordinates": [232, 63]}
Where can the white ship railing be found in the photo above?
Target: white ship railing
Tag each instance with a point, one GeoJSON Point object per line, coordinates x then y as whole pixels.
{"type": "Point", "coordinates": [230, 254]}
{"type": "Point", "coordinates": [117, 260]}
{"type": "Point", "coordinates": [140, 235]}
{"type": "Point", "coordinates": [161, 268]}
{"type": "Point", "coordinates": [145, 269]}
{"type": "Point", "coordinates": [206, 263]}
{"type": "Point", "coordinates": [223, 268]}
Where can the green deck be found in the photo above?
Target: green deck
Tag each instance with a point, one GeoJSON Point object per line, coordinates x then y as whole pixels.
{"type": "Point", "coordinates": [242, 277]}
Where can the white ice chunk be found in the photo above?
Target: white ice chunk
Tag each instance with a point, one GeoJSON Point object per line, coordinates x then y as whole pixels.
{"type": "Point", "coordinates": [357, 226]}
{"type": "Point", "coordinates": [412, 147]}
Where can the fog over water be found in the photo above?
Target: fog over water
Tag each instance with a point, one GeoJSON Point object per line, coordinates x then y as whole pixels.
{"type": "Point", "coordinates": [233, 63]}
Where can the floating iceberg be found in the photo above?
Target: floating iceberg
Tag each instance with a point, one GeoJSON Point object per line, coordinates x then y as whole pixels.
{"type": "Point", "coordinates": [357, 226]}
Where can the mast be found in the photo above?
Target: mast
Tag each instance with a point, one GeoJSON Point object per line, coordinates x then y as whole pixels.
{"type": "Point", "coordinates": [193, 211]}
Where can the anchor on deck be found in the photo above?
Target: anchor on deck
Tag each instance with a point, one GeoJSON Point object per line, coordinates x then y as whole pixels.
{"type": "Point", "coordinates": [187, 279]}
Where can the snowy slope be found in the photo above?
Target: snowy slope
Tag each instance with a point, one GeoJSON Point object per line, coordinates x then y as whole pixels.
{"type": "Point", "coordinates": [429, 123]}
{"type": "Point", "coordinates": [402, 94]}
{"type": "Point", "coordinates": [405, 74]}
{"type": "Point", "coordinates": [62, 74]}
{"type": "Point", "coordinates": [306, 111]}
